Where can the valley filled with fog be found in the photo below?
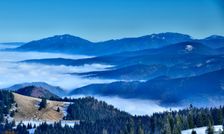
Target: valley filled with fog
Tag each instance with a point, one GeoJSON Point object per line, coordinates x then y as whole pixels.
{"type": "Point", "coordinates": [165, 73]}
{"type": "Point", "coordinates": [12, 72]}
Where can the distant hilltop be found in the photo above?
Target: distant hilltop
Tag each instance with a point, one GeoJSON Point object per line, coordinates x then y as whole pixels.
{"type": "Point", "coordinates": [75, 45]}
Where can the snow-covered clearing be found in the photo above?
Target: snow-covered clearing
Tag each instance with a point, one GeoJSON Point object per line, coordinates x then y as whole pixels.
{"type": "Point", "coordinates": [202, 130]}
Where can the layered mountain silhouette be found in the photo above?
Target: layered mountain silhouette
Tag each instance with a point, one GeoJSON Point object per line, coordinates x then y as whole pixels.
{"type": "Point", "coordinates": [53, 89]}
{"type": "Point", "coordinates": [76, 45]}
{"type": "Point", "coordinates": [37, 92]}
{"type": "Point", "coordinates": [165, 89]}
{"type": "Point", "coordinates": [180, 58]}
{"type": "Point", "coordinates": [170, 67]}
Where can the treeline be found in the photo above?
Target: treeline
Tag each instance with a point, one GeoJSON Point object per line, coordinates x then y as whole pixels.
{"type": "Point", "coordinates": [89, 109]}
{"type": "Point", "coordinates": [6, 100]}
{"type": "Point", "coordinates": [9, 128]}
{"type": "Point", "coordinates": [97, 117]}
{"type": "Point", "coordinates": [159, 123]}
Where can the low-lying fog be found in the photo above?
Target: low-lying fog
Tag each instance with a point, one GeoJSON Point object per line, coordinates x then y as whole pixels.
{"type": "Point", "coordinates": [12, 72]}
{"type": "Point", "coordinates": [133, 106]}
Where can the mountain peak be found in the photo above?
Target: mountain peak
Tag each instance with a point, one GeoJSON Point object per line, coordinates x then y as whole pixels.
{"type": "Point", "coordinates": [54, 89]}
{"type": "Point", "coordinates": [37, 92]}
{"type": "Point", "coordinates": [64, 37]}
{"type": "Point", "coordinates": [214, 37]}
{"type": "Point", "coordinates": [169, 35]}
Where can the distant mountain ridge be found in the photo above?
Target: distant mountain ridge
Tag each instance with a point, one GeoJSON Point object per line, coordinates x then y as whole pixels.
{"type": "Point", "coordinates": [76, 45]}
{"type": "Point", "coordinates": [169, 67]}
{"type": "Point", "coordinates": [64, 43]}
{"type": "Point", "coordinates": [54, 89]}
{"type": "Point", "coordinates": [186, 52]}
{"type": "Point", "coordinates": [167, 90]}
{"type": "Point", "coordinates": [177, 60]}
{"type": "Point", "coordinates": [37, 92]}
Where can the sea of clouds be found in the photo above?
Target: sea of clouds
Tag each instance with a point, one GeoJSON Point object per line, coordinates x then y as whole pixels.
{"type": "Point", "coordinates": [14, 72]}
{"type": "Point", "coordinates": [133, 106]}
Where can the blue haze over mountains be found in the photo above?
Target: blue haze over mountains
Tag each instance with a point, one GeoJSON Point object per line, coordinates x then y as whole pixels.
{"type": "Point", "coordinates": [170, 67]}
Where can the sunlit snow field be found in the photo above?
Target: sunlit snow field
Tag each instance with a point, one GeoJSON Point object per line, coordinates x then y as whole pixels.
{"type": "Point", "coordinates": [202, 130]}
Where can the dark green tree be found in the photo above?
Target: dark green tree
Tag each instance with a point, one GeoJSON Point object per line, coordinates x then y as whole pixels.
{"type": "Point", "coordinates": [193, 132]}
{"type": "Point", "coordinates": [43, 103]}
{"type": "Point", "coordinates": [58, 109]}
{"type": "Point", "coordinates": [210, 128]}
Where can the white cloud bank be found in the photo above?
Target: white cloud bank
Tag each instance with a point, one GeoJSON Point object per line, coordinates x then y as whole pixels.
{"type": "Point", "coordinates": [133, 106]}
{"type": "Point", "coordinates": [19, 56]}
{"type": "Point", "coordinates": [12, 72]}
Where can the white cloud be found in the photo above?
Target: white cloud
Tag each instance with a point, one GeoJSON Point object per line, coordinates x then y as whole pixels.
{"type": "Point", "coordinates": [134, 106]}
{"type": "Point", "coordinates": [19, 56]}
{"type": "Point", "coordinates": [12, 72]}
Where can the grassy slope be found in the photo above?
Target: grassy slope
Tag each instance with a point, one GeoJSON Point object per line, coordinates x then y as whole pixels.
{"type": "Point", "coordinates": [28, 109]}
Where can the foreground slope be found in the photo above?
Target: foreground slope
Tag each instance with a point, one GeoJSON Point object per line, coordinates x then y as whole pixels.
{"type": "Point", "coordinates": [28, 109]}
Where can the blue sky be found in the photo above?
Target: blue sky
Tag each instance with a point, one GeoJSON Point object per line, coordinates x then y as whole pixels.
{"type": "Point", "coordinates": [97, 20]}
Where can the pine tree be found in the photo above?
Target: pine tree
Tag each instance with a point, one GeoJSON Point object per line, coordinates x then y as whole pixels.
{"type": "Point", "coordinates": [176, 130]}
{"type": "Point", "coordinates": [223, 127]}
{"type": "Point", "coordinates": [190, 121]}
{"type": "Point", "coordinates": [220, 116]}
{"type": "Point", "coordinates": [167, 127]}
{"type": "Point", "coordinates": [58, 109]}
{"type": "Point", "coordinates": [1, 117]}
{"type": "Point", "coordinates": [140, 130]}
{"type": "Point", "coordinates": [43, 104]}
{"type": "Point", "coordinates": [210, 128]}
{"type": "Point", "coordinates": [193, 132]}
{"type": "Point", "coordinates": [131, 128]}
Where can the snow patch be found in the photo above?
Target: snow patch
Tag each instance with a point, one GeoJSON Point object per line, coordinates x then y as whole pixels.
{"type": "Point", "coordinates": [189, 48]}
{"type": "Point", "coordinates": [202, 130]}
{"type": "Point", "coordinates": [31, 131]}
{"type": "Point", "coordinates": [209, 61]}
{"type": "Point", "coordinates": [199, 65]}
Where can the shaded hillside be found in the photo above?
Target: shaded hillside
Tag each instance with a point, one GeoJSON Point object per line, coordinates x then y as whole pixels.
{"type": "Point", "coordinates": [145, 72]}
{"type": "Point", "coordinates": [90, 109]}
{"type": "Point", "coordinates": [53, 89]}
{"type": "Point", "coordinates": [59, 43]}
{"type": "Point", "coordinates": [36, 92]}
{"type": "Point", "coordinates": [214, 41]}
{"type": "Point", "coordinates": [187, 52]}
{"type": "Point", "coordinates": [76, 45]}
{"type": "Point", "coordinates": [168, 91]}
{"type": "Point", "coordinates": [177, 60]}
{"type": "Point", "coordinates": [6, 101]}
{"type": "Point", "coordinates": [135, 72]}
{"type": "Point", "coordinates": [170, 122]}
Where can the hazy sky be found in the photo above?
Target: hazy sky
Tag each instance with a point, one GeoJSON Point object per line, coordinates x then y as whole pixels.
{"type": "Point", "coordinates": [25, 20]}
